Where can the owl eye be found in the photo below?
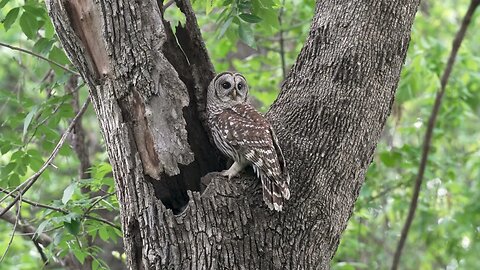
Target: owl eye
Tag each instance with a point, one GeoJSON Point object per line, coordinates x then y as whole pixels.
{"type": "Point", "coordinates": [240, 86]}
{"type": "Point", "coordinates": [226, 85]}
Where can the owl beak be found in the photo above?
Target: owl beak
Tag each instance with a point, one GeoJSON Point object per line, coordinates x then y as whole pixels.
{"type": "Point", "coordinates": [234, 93]}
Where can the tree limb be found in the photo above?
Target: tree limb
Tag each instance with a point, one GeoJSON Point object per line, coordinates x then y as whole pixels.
{"type": "Point", "coordinates": [31, 180]}
{"type": "Point", "coordinates": [429, 133]}
{"type": "Point", "coordinates": [39, 56]}
{"type": "Point", "coordinates": [15, 218]}
{"type": "Point", "coordinates": [85, 215]}
{"type": "Point", "coordinates": [24, 227]}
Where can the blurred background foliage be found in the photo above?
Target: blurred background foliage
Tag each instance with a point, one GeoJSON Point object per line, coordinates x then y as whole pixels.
{"type": "Point", "coordinates": [261, 39]}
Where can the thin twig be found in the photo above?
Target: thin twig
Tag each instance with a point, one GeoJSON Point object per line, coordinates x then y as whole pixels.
{"type": "Point", "coordinates": [42, 122]}
{"type": "Point", "coordinates": [34, 233]}
{"type": "Point", "coordinates": [431, 125]}
{"type": "Point", "coordinates": [17, 218]}
{"type": "Point", "coordinates": [39, 56]}
{"type": "Point", "coordinates": [97, 201]}
{"type": "Point", "coordinates": [63, 211]}
{"type": "Point", "coordinates": [35, 129]}
{"type": "Point", "coordinates": [40, 251]}
{"type": "Point", "coordinates": [104, 221]}
{"type": "Point", "coordinates": [385, 192]}
{"type": "Point", "coordinates": [25, 228]}
{"type": "Point", "coordinates": [169, 3]}
{"type": "Point", "coordinates": [31, 180]}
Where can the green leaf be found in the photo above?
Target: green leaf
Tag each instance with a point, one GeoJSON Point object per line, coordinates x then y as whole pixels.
{"type": "Point", "coordinates": [10, 18]}
{"type": "Point", "coordinates": [209, 6]}
{"type": "Point", "coordinates": [68, 192]}
{"type": "Point", "coordinates": [29, 25]}
{"type": "Point", "coordinates": [3, 3]}
{"type": "Point", "coordinates": [43, 45]}
{"type": "Point", "coordinates": [65, 150]}
{"type": "Point", "coordinates": [35, 164]}
{"type": "Point", "coordinates": [41, 228]}
{"type": "Point", "coordinates": [250, 18]}
{"type": "Point", "coordinates": [10, 167]}
{"type": "Point", "coordinates": [14, 179]}
{"type": "Point", "coordinates": [5, 147]}
{"type": "Point", "coordinates": [57, 237]}
{"type": "Point", "coordinates": [95, 265]}
{"type": "Point", "coordinates": [57, 55]}
{"type": "Point", "coordinates": [49, 29]}
{"type": "Point", "coordinates": [390, 158]}
{"type": "Point", "coordinates": [17, 155]}
{"type": "Point", "coordinates": [28, 120]}
{"type": "Point", "coordinates": [36, 11]}
{"type": "Point", "coordinates": [79, 254]}
{"type": "Point", "coordinates": [103, 233]}
{"type": "Point", "coordinates": [100, 170]}
{"type": "Point", "coordinates": [270, 17]}
{"type": "Point", "coordinates": [244, 5]}
{"type": "Point", "coordinates": [73, 226]}
{"type": "Point", "coordinates": [246, 35]}
{"type": "Point", "coordinates": [225, 26]}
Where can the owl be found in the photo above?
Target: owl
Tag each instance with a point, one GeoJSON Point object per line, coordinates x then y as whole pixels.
{"type": "Point", "coordinates": [245, 136]}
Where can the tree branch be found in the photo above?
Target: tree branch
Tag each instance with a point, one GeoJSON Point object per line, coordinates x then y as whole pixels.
{"type": "Point", "coordinates": [15, 218]}
{"type": "Point", "coordinates": [24, 227]}
{"type": "Point", "coordinates": [30, 181]}
{"type": "Point", "coordinates": [39, 56]}
{"type": "Point", "coordinates": [85, 215]}
{"type": "Point", "coordinates": [431, 125]}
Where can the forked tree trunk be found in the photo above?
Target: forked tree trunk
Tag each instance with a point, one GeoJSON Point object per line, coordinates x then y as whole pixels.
{"type": "Point", "coordinates": [149, 95]}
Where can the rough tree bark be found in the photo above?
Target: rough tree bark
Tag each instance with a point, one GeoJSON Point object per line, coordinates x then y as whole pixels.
{"type": "Point", "coordinates": [148, 85]}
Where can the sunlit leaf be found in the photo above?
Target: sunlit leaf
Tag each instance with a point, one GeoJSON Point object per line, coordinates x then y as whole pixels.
{"type": "Point", "coordinates": [29, 25]}
{"type": "Point", "coordinates": [43, 45]}
{"type": "Point", "coordinates": [246, 35]}
{"type": "Point", "coordinates": [225, 26]}
{"type": "Point", "coordinates": [10, 18]}
{"type": "Point", "coordinates": [80, 254]}
{"type": "Point", "coordinates": [73, 226]}
{"type": "Point", "coordinates": [250, 18]}
{"type": "Point", "coordinates": [68, 192]}
{"type": "Point", "coordinates": [41, 228]}
{"type": "Point", "coordinates": [28, 120]}
{"type": "Point", "coordinates": [3, 3]}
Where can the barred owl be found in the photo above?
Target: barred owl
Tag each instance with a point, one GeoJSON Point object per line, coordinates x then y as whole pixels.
{"type": "Point", "coordinates": [243, 135]}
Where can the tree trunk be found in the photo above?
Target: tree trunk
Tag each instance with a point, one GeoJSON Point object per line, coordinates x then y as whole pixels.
{"type": "Point", "coordinates": [149, 96]}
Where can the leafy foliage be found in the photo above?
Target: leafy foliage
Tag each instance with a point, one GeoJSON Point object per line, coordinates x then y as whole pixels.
{"type": "Point", "coordinates": [247, 36]}
{"type": "Point", "coordinates": [36, 107]}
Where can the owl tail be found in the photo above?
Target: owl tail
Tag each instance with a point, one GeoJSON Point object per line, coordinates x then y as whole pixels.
{"type": "Point", "coordinates": [274, 192]}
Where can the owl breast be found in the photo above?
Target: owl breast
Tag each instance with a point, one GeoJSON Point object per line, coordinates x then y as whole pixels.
{"type": "Point", "coordinates": [221, 130]}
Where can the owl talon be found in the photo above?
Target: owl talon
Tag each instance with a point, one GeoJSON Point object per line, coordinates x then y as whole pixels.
{"type": "Point", "coordinates": [233, 170]}
{"type": "Point", "coordinates": [227, 174]}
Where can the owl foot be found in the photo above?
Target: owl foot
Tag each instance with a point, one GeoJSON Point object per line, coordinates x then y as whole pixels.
{"type": "Point", "coordinates": [233, 170]}
{"type": "Point", "coordinates": [227, 174]}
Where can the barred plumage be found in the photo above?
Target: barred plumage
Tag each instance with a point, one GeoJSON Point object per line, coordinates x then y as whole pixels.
{"type": "Point", "coordinates": [242, 134]}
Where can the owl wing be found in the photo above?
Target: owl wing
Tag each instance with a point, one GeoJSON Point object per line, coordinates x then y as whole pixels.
{"type": "Point", "coordinates": [254, 139]}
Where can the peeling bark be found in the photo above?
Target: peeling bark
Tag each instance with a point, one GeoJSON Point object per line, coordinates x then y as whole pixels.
{"type": "Point", "coordinates": [150, 101]}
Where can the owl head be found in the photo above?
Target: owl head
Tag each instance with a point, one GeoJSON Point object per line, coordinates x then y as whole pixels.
{"type": "Point", "coordinates": [227, 89]}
